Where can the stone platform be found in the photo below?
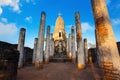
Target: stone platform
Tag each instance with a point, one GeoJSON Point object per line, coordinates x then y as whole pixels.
{"type": "Point", "coordinates": [60, 60]}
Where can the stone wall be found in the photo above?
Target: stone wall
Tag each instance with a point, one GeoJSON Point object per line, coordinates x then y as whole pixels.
{"type": "Point", "coordinates": [28, 51]}
{"type": "Point", "coordinates": [8, 64]}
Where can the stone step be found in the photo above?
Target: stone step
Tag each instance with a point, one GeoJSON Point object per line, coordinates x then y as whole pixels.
{"type": "Point", "coordinates": [60, 60]}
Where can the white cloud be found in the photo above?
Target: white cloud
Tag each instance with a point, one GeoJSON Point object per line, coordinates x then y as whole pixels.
{"type": "Point", "coordinates": [108, 2]}
{"type": "Point", "coordinates": [86, 26]}
{"type": "Point", "coordinates": [7, 29]}
{"type": "Point", "coordinates": [4, 20]}
{"type": "Point", "coordinates": [0, 10]}
{"type": "Point", "coordinates": [14, 4]}
{"type": "Point", "coordinates": [116, 21]}
{"type": "Point", "coordinates": [29, 18]}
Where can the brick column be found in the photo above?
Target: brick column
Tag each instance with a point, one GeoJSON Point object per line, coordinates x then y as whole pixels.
{"type": "Point", "coordinates": [51, 46]}
{"type": "Point", "coordinates": [73, 51]}
{"type": "Point", "coordinates": [35, 50]}
{"type": "Point", "coordinates": [47, 47]}
{"type": "Point", "coordinates": [105, 37]}
{"type": "Point", "coordinates": [20, 47]}
{"type": "Point", "coordinates": [86, 50]}
{"type": "Point", "coordinates": [69, 47]}
{"type": "Point", "coordinates": [40, 45]}
{"type": "Point", "coordinates": [67, 51]}
{"type": "Point", "coordinates": [80, 50]}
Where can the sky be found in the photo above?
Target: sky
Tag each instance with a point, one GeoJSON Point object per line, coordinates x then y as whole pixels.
{"type": "Point", "coordinates": [16, 14]}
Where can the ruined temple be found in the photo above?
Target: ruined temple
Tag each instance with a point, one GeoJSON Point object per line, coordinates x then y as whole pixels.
{"type": "Point", "coordinates": [59, 37]}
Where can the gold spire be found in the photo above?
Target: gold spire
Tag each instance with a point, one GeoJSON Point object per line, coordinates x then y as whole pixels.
{"type": "Point", "coordinates": [59, 32]}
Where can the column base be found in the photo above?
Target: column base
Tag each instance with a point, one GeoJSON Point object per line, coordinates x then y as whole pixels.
{"type": "Point", "coordinates": [20, 66]}
{"type": "Point", "coordinates": [80, 66]}
{"type": "Point", "coordinates": [86, 61]}
{"type": "Point", "coordinates": [90, 59]}
{"type": "Point", "coordinates": [46, 61]}
{"type": "Point", "coordinates": [69, 55]}
{"type": "Point", "coordinates": [38, 65]}
{"type": "Point", "coordinates": [74, 60]}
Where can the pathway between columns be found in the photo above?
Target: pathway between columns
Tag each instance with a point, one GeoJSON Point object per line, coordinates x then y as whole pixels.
{"type": "Point", "coordinates": [59, 71]}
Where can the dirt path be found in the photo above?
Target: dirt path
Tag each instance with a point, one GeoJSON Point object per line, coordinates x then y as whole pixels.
{"type": "Point", "coordinates": [59, 71]}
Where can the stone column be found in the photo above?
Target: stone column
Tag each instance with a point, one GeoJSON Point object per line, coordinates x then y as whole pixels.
{"type": "Point", "coordinates": [47, 47]}
{"type": "Point", "coordinates": [20, 47]}
{"type": "Point", "coordinates": [73, 45]}
{"type": "Point", "coordinates": [80, 50]}
{"type": "Point", "coordinates": [69, 47]}
{"type": "Point", "coordinates": [40, 45]}
{"type": "Point", "coordinates": [35, 50]}
{"type": "Point", "coordinates": [105, 37]}
{"type": "Point", "coordinates": [97, 52]}
{"type": "Point", "coordinates": [51, 46]}
{"type": "Point", "coordinates": [86, 50]}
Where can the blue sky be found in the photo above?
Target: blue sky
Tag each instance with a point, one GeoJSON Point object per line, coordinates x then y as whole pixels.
{"type": "Point", "coordinates": [15, 14]}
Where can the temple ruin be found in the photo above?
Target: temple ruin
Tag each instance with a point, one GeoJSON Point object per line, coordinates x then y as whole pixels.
{"type": "Point", "coordinates": [59, 37]}
{"type": "Point", "coordinates": [73, 48]}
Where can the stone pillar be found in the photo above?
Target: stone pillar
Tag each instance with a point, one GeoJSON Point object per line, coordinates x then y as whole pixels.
{"type": "Point", "coordinates": [35, 50]}
{"type": "Point", "coordinates": [80, 50]}
{"type": "Point", "coordinates": [105, 37]}
{"type": "Point", "coordinates": [51, 46]}
{"type": "Point", "coordinates": [20, 47]}
{"type": "Point", "coordinates": [69, 47]}
{"type": "Point", "coordinates": [97, 52]}
{"type": "Point", "coordinates": [73, 45]}
{"type": "Point", "coordinates": [86, 50]}
{"type": "Point", "coordinates": [40, 45]}
{"type": "Point", "coordinates": [47, 47]}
